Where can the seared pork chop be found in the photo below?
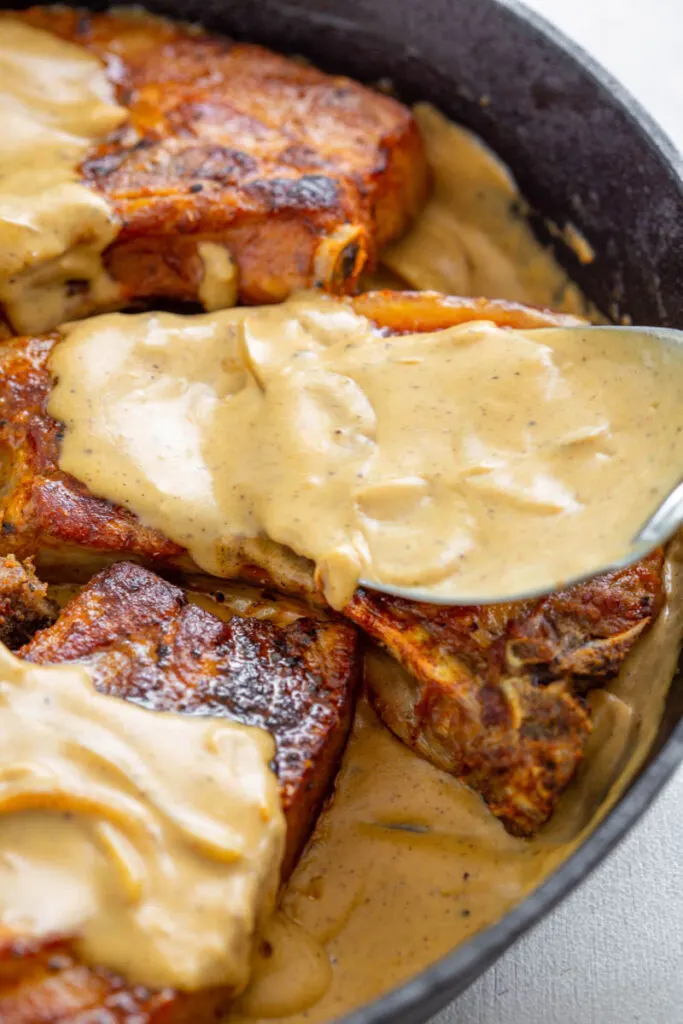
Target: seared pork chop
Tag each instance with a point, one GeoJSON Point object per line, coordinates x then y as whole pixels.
{"type": "Point", "coordinates": [141, 640]}
{"type": "Point", "coordinates": [47, 513]}
{"type": "Point", "coordinates": [492, 694]}
{"type": "Point", "coordinates": [301, 176]}
{"type": "Point", "coordinates": [510, 724]}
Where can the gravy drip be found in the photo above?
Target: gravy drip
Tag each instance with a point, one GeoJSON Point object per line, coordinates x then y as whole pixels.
{"type": "Point", "coordinates": [410, 461]}
{"type": "Point", "coordinates": [55, 104]}
{"type": "Point", "coordinates": [154, 839]}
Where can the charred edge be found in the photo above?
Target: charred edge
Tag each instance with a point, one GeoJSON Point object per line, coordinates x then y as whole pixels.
{"type": "Point", "coordinates": [309, 193]}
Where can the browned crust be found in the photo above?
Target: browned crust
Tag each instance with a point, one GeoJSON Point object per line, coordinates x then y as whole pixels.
{"type": "Point", "coordinates": [45, 983]}
{"type": "Point", "coordinates": [142, 641]}
{"type": "Point", "coordinates": [301, 175]}
{"type": "Point", "coordinates": [24, 604]}
{"type": "Point", "coordinates": [43, 507]}
{"type": "Point", "coordinates": [493, 694]}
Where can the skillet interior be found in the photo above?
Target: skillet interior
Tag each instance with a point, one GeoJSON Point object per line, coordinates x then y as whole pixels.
{"type": "Point", "coordinates": [582, 151]}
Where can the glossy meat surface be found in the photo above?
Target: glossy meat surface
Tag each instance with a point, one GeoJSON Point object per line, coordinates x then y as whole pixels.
{"type": "Point", "coordinates": [301, 175]}
{"type": "Point", "coordinates": [143, 641]}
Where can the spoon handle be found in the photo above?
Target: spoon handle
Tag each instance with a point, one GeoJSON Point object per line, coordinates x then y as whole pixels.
{"type": "Point", "coordinates": [664, 521]}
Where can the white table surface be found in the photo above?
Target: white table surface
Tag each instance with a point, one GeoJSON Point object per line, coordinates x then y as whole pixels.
{"type": "Point", "coordinates": [613, 952]}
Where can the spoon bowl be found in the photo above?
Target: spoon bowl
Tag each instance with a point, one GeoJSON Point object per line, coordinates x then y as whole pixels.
{"type": "Point", "coordinates": [662, 523]}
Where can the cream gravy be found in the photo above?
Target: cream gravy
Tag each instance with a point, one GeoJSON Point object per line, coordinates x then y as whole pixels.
{"type": "Point", "coordinates": [408, 461]}
{"type": "Point", "coordinates": [55, 103]}
{"type": "Point", "coordinates": [473, 236]}
{"type": "Point", "coordinates": [154, 839]}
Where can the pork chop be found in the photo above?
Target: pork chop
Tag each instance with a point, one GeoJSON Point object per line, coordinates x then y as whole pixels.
{"type": "Point", "coordinates": [515, 732]}
{"type": "Point", "coordinates": [141, 640]}
{"type": "Point", "coordinates": [493, 693]}
{"type": "Point", "coordinates": [300, 175]}
{"type": "Point", "coordinates": [47, 513]}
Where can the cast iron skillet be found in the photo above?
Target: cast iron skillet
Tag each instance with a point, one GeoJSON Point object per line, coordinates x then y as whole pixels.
{"type": "Point", "coordinates": [582, 150]}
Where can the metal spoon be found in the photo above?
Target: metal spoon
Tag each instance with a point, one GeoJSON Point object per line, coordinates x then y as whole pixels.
{"type": "Point", "coordinates": [659, 527]}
